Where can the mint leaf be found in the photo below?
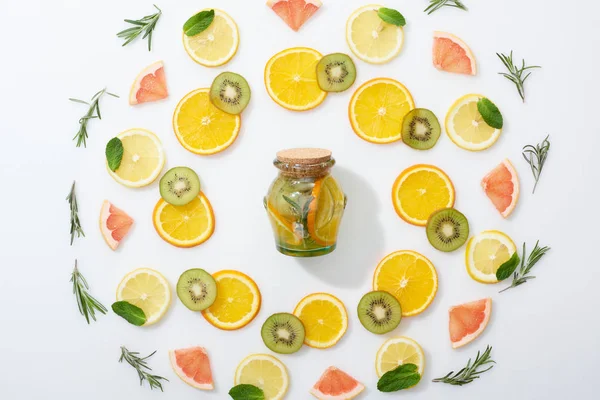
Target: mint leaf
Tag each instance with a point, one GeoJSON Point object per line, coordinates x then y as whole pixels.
{"type": "Point", "coordinates": [246, 392]}
{"type": "Point", "coordinates": [391, 16]}
{"type": "Point", "coordinates": [132, 314]}
{"type": "Point", "coordinates": [198, 23]}
{"type": "Point", "coordinates": [403, 377]}
{"type": "Point", "coordinates": [114, 153]}
{"type": "Point", "coordinates": [508, 267]}
{"type": "Point", "coordinates": [490, 113]}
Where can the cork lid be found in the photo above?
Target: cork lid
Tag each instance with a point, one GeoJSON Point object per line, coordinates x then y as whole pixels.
{"type": "Point", "coordinates": [304, 156]}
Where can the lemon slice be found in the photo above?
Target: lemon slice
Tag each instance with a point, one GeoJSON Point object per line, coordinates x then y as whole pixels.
{"type": "Point", "coordinates": [486, 252]}
{"type": "Point", "coordinates": [324, 215]}
{"type": "Point", "coordinates": [325, 319]}
{"type": "Point", "coordinates": [147, 289]}
{"type": "Point", "coordinates": [217, 44]}
{"type": "Point", "coordinates": [143, 158]}
{"type": "Point", "coordinates": [371, 39]}
{"type": "Point", "coordinates": [465, 125]}
{"type": "Point", "coordinates": [266, 372]}
{"type": "Point", "coordinates": [398, 351]}
{"type": "Point", "coordinates": [284, 231]}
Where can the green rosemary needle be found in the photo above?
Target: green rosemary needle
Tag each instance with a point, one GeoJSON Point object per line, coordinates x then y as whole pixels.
{"type": "Point", "coordinates": [522, 275]}
{"type": "Point", "coordinates": [515, 74]}
{"type": "Point", "coordinates": [536, 157]}
{"type": "Point", "coordinates": [86, 303]}
{"type": "Point", "coordinates": [144, 25]}
{"type": "Point", "coordinates": [93, 112]}
{"type": "Point", "coordinates": [469, 373]}
{"type": "Point", "coordinates": [142, 368]}
{"type": "Point", "coordinates": [437, 4]}
{"type": "Point", "coordinates": [75, 224]}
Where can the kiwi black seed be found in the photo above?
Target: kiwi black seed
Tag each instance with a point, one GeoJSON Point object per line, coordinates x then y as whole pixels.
{"type": "Point", "coordinates": [336, 72]}
{"type": "Point", "coordinates": [379, 312]}
{"type": "Point", "coordinates": [447, 229]}
{"type": "Point", "coordinates": [230, 93]}
{"type": "Point", "coordinates": [196, 289]}
{"type": "Point", "coordinates": [421, 129]}
{"type": "Point", "coordinates": [283, 333]}
{"type": "Point", "coordinates": [179, 186]}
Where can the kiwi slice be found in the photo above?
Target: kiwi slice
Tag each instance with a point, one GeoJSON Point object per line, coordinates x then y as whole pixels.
{"type": "Point", "coordinates": [447, 229]}
{"type": "Point", "coordinates": [196, 289]}
{"type": "Point", "coordinates": [379, 312]}
{"type": "Point", "coordinates": [421, 129]}
{"type": "Point", "coordinates": [283, 333]}
{"type": "Point", "coordinates": [230, 92]}
{"type": "Point", "coordinates": [336, 72]}
{"type": "Point", "coordinates": [179, 186]}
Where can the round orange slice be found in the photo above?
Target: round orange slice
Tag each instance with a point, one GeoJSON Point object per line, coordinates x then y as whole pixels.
{"type": "Point", "coordinates": [324, 215]}
{"type": "Point", "coordinates": [325, 319]}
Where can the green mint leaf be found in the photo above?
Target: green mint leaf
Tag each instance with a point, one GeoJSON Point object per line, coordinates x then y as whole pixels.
{"type": "Point", "coordinates": [403, 377]}
{"type": "Point", "coordinates": [132, 314]}
{"type": "Point", "coordinates": [391, 16]}
{"type": "Point", "coordinates": [198, 23]}
{"type": "Point", "coordinates": [508, 267]}
{"type": "Point", "coordinates": [114, 153]}
{"type": "Point", "coordinates": [490, 113]}
{"type": "Point", "coordinates": [246, 392]}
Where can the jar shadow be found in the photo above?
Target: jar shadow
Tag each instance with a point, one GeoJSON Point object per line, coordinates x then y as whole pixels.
{"type": "Point", "coordinates": [360, 240]}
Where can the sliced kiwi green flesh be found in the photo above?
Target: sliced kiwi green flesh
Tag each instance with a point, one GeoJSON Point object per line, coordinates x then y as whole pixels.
{"type": "Point", "coordinates": [283, 333]}
{"type": "Point", "coordinates": [196, 289]}
{"type": "Point", "coordinates": [421, 129]}
{"type": "Point", "coordinates": [179, 186]}
{"type": "Point", "coordinates": [336, 72]}
{"type": "Point", "coordinates": [379, 312]}
{"type": "Point", "coordinates": [230, 93]}
{"type": "Point", "coordinates": [447, 229]}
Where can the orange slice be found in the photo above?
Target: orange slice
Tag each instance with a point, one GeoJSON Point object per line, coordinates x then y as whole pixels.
{"type": "Point", "coordinates": [452, 54]}
{"type": "Point", "coordinates": [237, 303]}
{"type": "Point", "coordinates": [114, 224]}
{"type": "Point", "coordinates": [325, 319]}
{"type": "Point", "coordinates": [335, 384]}
{"type": "Point", "coordinates": [295, 12]}
{"type": "Point", "coordinates": [468, 320]}
{"type": "Point", "coordinates": [284, 230]}
{"type": "Point", "coordinates": [150, 85]}
{"type": "Point", "coordinates": [324, 215]}
{"type": "Point", "coordinates": [501, 185]}
{"type": "Point", "coordinates": [192, 365]}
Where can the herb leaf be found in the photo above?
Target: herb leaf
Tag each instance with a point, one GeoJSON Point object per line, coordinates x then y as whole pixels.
{"type": "Point", "coordinates": [515, 74]}
{"type": "Point", "coordinates": [144, 25]}
{"type": "Point", "coordinates": [469, 373]}
{"type": "Point", "coordinates": [114, 153]}
{"type": "Point", "coordinates": [246, 392]}
{"type": "Point", "coordinates": [437, 4]}
{"type": "Point", "coordinates": [522, 275]}
{"type": "Point", "coordinates": [93, 112]}
{"type": "Point", "coordinates": [391, 16]}
{"type": "Point", "coordinates": [508, 267]}
{"type": "Point", "coordinates": [536, 157]}
{"type": "Point", "coordinates": [141, 366]}
{"type": "Point", "coordinates": [131, 313]}
{"type": "Point", "coordinates": [198, 23]}
{"type": "Point", "coordinates": [85, 302]}
{"type": "Point", "coordinates": [402, 377]}
{"type": "Point", "coordinates": [75, 224]}
{"type": "Point", "coordinates": [490, 113]}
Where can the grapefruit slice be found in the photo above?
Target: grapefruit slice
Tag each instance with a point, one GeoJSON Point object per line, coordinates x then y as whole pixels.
{"type": "Point", "coordinates": [501, 185]}
{"type": "Point", "coordinates": [295, 12]}
{"type": "Point", "coordinates": [114, 224]}
{"type": "Point", "coordinates": [468, 320]}
{"type": "Point", "coordinates": [335, 384]}
{"type": "Point", "coordinates": [193, 367]}
{"type": "Point", "coordinates": [150, 85]}
{"type": "Point", "coordinates": [451, 54]}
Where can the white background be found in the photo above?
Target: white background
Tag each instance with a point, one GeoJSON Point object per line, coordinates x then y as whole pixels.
{"type": "Point", "coordinates": [544, 334]}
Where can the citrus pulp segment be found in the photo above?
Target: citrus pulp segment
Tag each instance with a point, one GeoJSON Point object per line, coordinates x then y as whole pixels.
{"type": "Point", "coordinates": [467, 321]}
{"type": "Point", "coordinates": [114, 224]}
{"type": "Point", "coordinates": [335, 384]}
{"type": "Point", "coordinates": [486, 252]}
{"type": "Point", "coordinates": [217, 44]}
{"type": "Point", "coordinates": [265, 372]}
{"type": "Point", "coordinates": [501, 185]}
{"type": "Point", "coordinates": [149, 85]}
{"type": "Point", "coordinates": [295, 12]}
{"type": "Point", "coordinates": [147, 289]}
{"type": "Point", "coordinates": [451, 54]}
{"type": "Point", "coordinates": [465, 125]}
{"type": "Point", "coordinates": [325, 319]}
{"type": "Point", "coordinates": [192, 365]}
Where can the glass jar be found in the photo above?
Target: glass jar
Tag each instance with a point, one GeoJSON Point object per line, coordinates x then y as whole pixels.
{"type": "Point", "coordinates": [305, 203]}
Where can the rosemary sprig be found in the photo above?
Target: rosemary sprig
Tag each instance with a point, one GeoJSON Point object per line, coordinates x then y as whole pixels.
{"type": "Point", "coordinates": [469, 373]}
{"type": "Point", "coordinates": [93, 112]}
{"type": "Point", "coordinates": [140, 365]}
{"type": "Point", "coordinates": [536, 157]}
{"type": "Point", "coordinates": [515, 74]}
{"type": "Point", "coordinates": [437, 4]}
{"type": "Point", "coordinates": [75, 224]}
{"type": "Point", "coordinates": [521, 276]}
{"type": "Point", "coordinates": [145, 25]}
{"type": "Point", "coordinates": [86, 303]}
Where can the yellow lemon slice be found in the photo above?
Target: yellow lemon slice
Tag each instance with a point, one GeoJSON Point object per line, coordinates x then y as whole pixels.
{"type": "Point", "coordinates": [410, 277]}
{"type": "Point", "coordinates": [217, 44]}
{"type": "Point", "coordinates": [377, 109]}
{"type": "Point", "coordinates": [466, 127]}
{"type": "Point", "coordinates": [143, 158]}
{"type": "Point", "coordinates": [398, 351]}
{"type": "Point", "coordinates": [201, 127]}
{"type": "Point", "coordinates": [184, 226]}
{"type": "Point", "coordinates": [291, 79]}
{"type": "Point", "coordinates": [486, 252]}
{"type": "Point", "coordinates": [266, 372]}
{"type": "Point", "coordinates": [325, 319]}
{"type": "Point", "coordinates": [324, 215]}
{"type": "Point", "coordinates": [147, 289]}
{"type": "Point", "coordinates": [371, 39]}
{"type": "Point", "coordinates": [421, 190]}
{"type": "Point", "coordinates": [238, 301]}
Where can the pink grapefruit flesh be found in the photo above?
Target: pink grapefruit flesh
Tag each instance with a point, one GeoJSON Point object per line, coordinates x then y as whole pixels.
{"type": "Point", "coordinates": [335, 384]}
{"type": "Point", "coordinates": [468, 320]}
{"type": "Point", "coordinates": [294, 12]}
{"type": "Point", "coordinates": [114, 224]}
{"type": "Point", "coordinates": [193, 367]}
{"type": "Point", "coordinates": [501, 186]}
{"type": "Point", "coordinates": [150, 85]}
{"type": "Point", "coordinates": [452, 54]}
